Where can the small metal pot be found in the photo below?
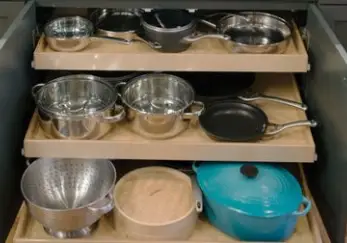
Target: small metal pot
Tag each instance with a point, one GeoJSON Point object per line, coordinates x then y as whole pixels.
{"type": "Point", "coordinates": [68, 34]}
{"type": "Point", "coordinates": [174, 30]}
{"type": "Point", "coordinates": [77, 107]}
{"type": "Point", "coordinates": [68, 196]}
{"type": "Point", "coordinates": [253, 32]}
{"type": "Point", "coordinates": [159, 106]}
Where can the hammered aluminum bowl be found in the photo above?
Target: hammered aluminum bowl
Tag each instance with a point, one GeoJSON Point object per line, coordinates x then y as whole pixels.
{"type": "Point", "coordinates": [68, 34]}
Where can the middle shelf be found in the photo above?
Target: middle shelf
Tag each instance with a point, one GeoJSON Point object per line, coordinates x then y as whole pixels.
{"type": "Point", "coordinates": [293, 145]}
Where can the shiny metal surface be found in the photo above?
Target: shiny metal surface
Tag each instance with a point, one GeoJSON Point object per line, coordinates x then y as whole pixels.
{"type": "Point", "coordinates": [159, 105]}
{"type": "Point", "coordinates": [255, 32]}
{"type": "Point", "coordinates": [59, 190]}
{"type": "Point", "coordinates": [68, 34]}
{"type": "Point", "coordinates": [77, 107]}
{"type": "Point", "coordinates": [86, 231]}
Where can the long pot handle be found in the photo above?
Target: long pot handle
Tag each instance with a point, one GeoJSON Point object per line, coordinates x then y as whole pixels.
{"type": "Point", "coordinates": [119, 115]}
{"type": "Point", "coordinates": [308, 204]}
{"type": "Point", "coordinates": [197, 194]}
{"type": "Point", "coordinates": [193, 38]}
{"type": "Point", "coordinates": [277, 128]}
{"type": "Point", "coordinates": [257, 96]}
{"type": "Point", "coordinates": [107, 204]}
{"type": "Point", "coordinates": [35, 89]}
{"type": "Point", "coordinates": [154, 45]}
{"type": "Point", "coordinates": [224, 14]}
{"type": "Point", "coordinates": [190, 115]}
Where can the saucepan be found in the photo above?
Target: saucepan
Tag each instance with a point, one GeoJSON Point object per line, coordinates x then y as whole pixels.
{"type": "Point", "coordinates": [174, 30]}
{"type": "Point", "coordinates": [71, 34]}
{"type": "Point", "coordinates": [253, 32]}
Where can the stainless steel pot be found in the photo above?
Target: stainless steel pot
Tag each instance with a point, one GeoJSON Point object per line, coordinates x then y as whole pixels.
{"type": "Point", "coordinates": [68, 196]}
{"type": "Point", "coordinates": [158, 105]}
{"type": "Point", "coordinates": [77, 107]}
{"type": "Point", "coordinates": [174, 30]}
{"type": "Point", "coordinates": [254, 32]}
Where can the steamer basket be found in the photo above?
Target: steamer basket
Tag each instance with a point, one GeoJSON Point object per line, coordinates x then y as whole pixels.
{"type": "Point", "coordinates": [174, 219]}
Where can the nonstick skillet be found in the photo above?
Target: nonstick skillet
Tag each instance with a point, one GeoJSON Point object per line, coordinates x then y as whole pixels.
{"type": "Point", "coordinates": [210, 87]}
{"type": "Point", "coordinates": [237, 121]}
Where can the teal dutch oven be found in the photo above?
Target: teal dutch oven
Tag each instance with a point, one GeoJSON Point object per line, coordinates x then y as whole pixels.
{"type": "Point", "coordinates": [251, 201]}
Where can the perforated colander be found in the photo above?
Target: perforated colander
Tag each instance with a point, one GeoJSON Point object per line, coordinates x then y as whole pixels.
{"type": "Point", "coordinates": [67, 183]}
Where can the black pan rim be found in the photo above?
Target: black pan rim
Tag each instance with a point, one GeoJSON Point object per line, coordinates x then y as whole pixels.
{"type": "Point", "coordinates": [219, 138]}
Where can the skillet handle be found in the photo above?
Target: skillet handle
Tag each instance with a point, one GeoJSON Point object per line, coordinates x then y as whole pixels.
{"type": "Point", "coordinates": [190, 115]}
{"type": "Point", "coordinates": [253, 97]}
{"type": "Point", "coordinates": [277, 128]}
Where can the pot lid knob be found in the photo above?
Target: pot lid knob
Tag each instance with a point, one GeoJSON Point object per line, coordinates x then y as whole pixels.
{"type": "Point", "coordinates": [250, 171]}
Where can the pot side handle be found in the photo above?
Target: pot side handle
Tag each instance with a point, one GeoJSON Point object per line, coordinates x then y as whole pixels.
{"type": "Point", "coordinates": [36, 88]}
{"type": "Point", "coordinates": [197, 194]}
{"type": "Point", "coordinates": [104, 207]}
{"type": "Point", "coordinates": [190, 115]}
{"type": "Point", "coordinates": [307, 203]}
{"type": "Point", "coordinates": [119, 115]}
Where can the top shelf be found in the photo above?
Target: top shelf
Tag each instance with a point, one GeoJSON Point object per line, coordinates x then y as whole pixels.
{"type": "Point", "coordinates": [205, 55]}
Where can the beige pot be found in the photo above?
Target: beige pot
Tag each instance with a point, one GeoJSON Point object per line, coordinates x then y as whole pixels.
{"type": "Point", "coordinates": [157, 203]}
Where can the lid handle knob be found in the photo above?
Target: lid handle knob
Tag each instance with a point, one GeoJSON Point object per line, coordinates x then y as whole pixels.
{"type": "Point", "coordinates": [250, 171]}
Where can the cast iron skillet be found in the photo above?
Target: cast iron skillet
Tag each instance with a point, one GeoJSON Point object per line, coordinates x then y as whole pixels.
{"type": "Point", "coordinates": [237, 121]}
{"type": "Point", "coordinates": [211, 87]}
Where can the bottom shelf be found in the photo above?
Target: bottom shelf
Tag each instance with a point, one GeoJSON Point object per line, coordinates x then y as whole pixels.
{"type": "Point", "coordinates": [309, 230]}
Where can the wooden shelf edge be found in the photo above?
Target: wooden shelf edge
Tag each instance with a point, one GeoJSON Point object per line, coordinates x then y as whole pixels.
{"type": "Point", "coordinates": [205, 55]}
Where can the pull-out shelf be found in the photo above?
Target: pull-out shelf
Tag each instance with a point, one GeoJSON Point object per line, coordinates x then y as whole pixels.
{"type": "Point", "coordinates": [309, 229]}
{"type": "Point", "coordinates": [292, 145]}
{"type": "Point", "coordinates": [206, 55]}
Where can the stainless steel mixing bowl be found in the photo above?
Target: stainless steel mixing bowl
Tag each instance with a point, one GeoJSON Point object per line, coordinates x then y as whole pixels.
{"type": "Point", "coordinates": [159, 105]}
{"type": "Point", "coordinates": [67, 196]}
{"type": "Point", "coordinates": [77, 107]}
{"type": "Point", "coordinates": [68, 34]}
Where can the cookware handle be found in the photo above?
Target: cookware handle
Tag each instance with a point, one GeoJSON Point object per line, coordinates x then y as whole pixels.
{"type": "Point", "coordinates": [224, 14]}
{"type": "Point", "coordinates": [195, 167]}
{"type": "Point", "coordinates": [36, 89]}
{"type": "Point", "coordinates": [193, 38]}
{"type": "Point", "coordinates": [257, 96]}
{"type": "Point", "coordinates": [189, 115]}
{"type": "Point", "coordinates": [277, 128]}
{"type": "Point", "coordinates": [197, 194]}
{"type": "Point", "coordinates": [307, 203]}
{"type": "Point", "coordinates": [154, 45]}
{"type": "Point", "coordinates": [106, 205]}
{"type": "Point", "coordinates": [119, 116]}
{"type": "Point", "coordinates": [117, 87]}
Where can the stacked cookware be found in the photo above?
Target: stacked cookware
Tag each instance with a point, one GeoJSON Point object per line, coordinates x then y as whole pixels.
{"type": "Point", "coordinates": [247, 201]}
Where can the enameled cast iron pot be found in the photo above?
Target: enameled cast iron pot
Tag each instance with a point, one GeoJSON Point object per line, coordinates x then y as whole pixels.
{"type": "Point", "coordinates": [251, 201]}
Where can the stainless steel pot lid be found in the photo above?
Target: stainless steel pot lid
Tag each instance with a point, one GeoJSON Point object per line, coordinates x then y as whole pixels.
{"type": "Point", "coordinates": [254, 189]}
{"type": "Point", "coordinates": [76, 95]}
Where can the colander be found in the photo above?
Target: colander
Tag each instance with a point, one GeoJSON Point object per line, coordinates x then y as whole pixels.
{"type": "Point", "coordinates": [67, 196]}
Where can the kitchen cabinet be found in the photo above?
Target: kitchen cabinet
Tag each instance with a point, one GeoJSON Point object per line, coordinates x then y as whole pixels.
{"type": "Point", "coordinates": [315, 52]}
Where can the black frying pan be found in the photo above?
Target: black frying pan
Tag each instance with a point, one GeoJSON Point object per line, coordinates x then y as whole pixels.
{"type": "Point", "coordinates": [211, 87]}
{"type": "Point", "coordinates": [237, 121]}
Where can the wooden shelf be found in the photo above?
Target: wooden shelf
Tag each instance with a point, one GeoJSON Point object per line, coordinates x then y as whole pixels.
{"type": "Point", "coordinates": [292, 145]}
{"type": "Point", "coordinates": [204, 55]}
{"type": "Point", "coordinates": [29, 230]}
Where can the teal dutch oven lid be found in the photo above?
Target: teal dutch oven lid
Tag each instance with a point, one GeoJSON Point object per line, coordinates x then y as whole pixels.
{"type": "Point", "coordinates": [260, 190]}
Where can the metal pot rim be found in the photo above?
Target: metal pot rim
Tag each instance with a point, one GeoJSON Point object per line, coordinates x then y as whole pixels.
{"type": "Point", "coordinates": [88, 23]}
{"type": "Point", "coordinates": [68, 209]}
{"type": "Point", "coordinates": [245, 13]}
{"type": "Point", "coordinates": [138, 78]}
{"type": "Point", "coordinates": [148, 26]}
{"type": "Point", "coordinates": [83, 77]}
